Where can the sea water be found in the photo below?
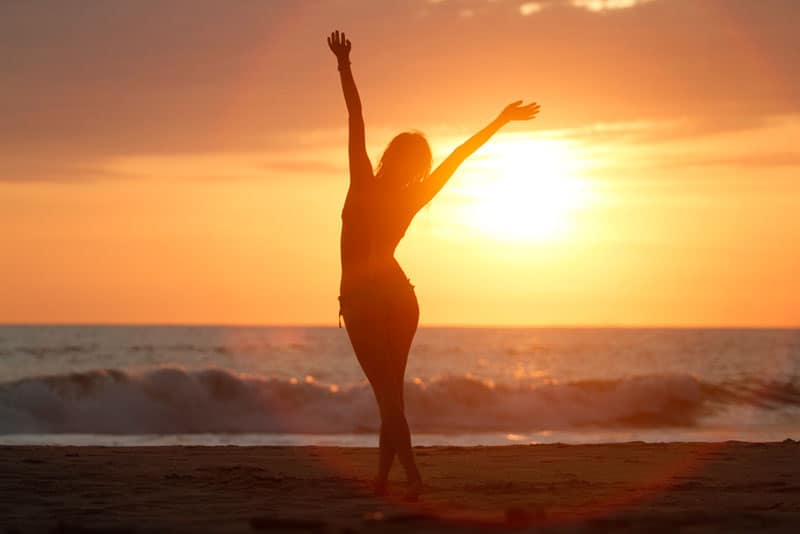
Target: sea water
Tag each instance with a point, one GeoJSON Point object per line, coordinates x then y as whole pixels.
{"type": "Point", "coordinates": [208, 385]}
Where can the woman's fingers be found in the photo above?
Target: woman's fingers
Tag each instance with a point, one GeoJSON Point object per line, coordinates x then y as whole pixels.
{"type": "Point", "coordinates": [518, 111]}
{"type": "Point", "coordinates": [524, 113]}
{"type": "Point", "coordinates": [338, 42]}
{"type": "Point", "coordinates": [517, 106]}
{"type": "Point", "coordinates": [531, 109]}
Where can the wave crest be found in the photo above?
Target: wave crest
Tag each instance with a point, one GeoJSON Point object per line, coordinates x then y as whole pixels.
{"type": "Point", "coordinates": [177, 401]}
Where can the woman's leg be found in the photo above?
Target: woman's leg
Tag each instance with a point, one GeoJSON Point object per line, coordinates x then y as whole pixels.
{"type": "Point", "coordinates": [368, 329]}
{"type": "Point", "coordinates": [381, 334]}
{"type": "Point", "coordinates": [385, 460]}
{"type": "Point", "coordinates": [403, 320]}
{"type": "Point", "coordinates": [395, 435]}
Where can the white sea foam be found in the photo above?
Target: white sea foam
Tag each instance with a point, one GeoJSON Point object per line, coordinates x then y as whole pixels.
{"type": "Point", "coordinates": [177, 401]}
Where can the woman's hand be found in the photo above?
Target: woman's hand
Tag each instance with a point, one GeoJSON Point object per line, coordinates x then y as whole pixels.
{"type": "Point", "coordinates": [517, 112]}
{"type": "Point", "coordinates": [340, 46]}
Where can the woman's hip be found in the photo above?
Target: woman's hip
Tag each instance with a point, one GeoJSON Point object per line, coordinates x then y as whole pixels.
{"type": "Point", "coordinates": [392, 298]}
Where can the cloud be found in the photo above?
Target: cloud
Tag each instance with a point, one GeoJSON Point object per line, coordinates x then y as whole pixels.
{"type": "Point", "coordinates": [78, 87]}
{"type": "Point", "coordinates": [650, 131]}
{"type": "Point", "coordinates": [766, 148]}
{"type": "Point", "coordinates": [53, 169]}
{"type": "Point", "coordinates": [325, 160]}
{"type": "Point", "coordinates": [593, 6]}
{"type": "Point", "coordinates": [774, 159]}
{"type": "Point", "coordinates": [599, 6]}
{"type": "Point", "coordinates": [531, 8]}
{"type": "Point", "coordinates": [307, 166]}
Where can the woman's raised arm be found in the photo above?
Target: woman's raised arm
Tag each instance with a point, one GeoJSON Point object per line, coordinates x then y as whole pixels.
{"type": "Point", "coordinates": [434, 183]}
{"type": "Point", "coordinates": [360, 166]}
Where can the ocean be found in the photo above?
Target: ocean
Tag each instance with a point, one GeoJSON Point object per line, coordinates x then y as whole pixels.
{"type": "Point", "coordinates": [224, 385]}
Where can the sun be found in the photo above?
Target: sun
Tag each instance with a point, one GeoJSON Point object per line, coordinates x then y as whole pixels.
{"type": "Point", "coordinates": [524, 190]}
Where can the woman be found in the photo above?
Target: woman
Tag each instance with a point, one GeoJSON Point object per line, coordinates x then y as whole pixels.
{"type": "Point", "coordinates": [376, 299]}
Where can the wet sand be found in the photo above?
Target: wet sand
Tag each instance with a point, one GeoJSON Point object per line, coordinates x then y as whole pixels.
{"type": "Point", "coordinates": [632, 487]}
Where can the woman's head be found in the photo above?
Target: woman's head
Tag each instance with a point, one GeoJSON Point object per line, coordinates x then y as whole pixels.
{"type": "Point", "coordinates": [407, 160]}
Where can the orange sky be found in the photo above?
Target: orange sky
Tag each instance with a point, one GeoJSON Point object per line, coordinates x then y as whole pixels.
{"type": "Point", "coordinates": [185, 163]}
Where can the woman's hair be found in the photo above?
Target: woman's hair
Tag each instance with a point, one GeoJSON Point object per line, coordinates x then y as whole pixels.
{"type": "Point", "coordinates": [407, 160]}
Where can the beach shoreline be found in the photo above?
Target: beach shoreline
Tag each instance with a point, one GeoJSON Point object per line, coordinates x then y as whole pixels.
{"type": "Point", "coordinates": [730, 486]}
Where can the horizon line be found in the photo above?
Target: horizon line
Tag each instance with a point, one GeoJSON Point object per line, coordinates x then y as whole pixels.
{"type": "Point", "coordinates": [543, 326]}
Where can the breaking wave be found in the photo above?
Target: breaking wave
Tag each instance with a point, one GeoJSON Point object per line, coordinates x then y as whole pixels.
{"type": "Point", "coordinates": [177, 401]}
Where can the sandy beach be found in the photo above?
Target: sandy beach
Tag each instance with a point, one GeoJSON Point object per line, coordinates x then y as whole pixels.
{"type": "Point", "coordinates": [729, 486]}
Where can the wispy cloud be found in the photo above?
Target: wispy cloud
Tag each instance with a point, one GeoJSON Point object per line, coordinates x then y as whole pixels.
{"type": "Point", "coordinates": [534, 7]}
{"type": "Point", "coordinates": [766, 160]}
{"type": "Point", "coordinates": [531, 8]}
{"type": "Point", "coordinates": [599, 6]}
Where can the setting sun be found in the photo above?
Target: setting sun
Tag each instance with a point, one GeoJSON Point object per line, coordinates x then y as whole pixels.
{"type": "Point", "coordinates": [525, 190]}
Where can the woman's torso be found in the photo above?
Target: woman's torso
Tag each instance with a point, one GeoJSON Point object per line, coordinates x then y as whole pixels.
{"type": "Point", "coordinates": [373, 223]}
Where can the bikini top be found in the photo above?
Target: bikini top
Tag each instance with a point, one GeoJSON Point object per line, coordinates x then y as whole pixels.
{"type": "Point", "coordinates": [373, 223]}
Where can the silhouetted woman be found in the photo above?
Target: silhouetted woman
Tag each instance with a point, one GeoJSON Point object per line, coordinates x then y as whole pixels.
{"type": "Point", "coordinates": [377, 301]}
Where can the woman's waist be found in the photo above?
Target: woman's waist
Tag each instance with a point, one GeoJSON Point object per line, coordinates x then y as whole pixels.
{"type": "Point", "coordinates": [371, 274]}
{"type": "Point", "coordinates": [370, 263]}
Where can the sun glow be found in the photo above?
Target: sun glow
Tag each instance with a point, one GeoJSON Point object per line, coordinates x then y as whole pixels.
{"type": "Point", "coordinates": [525, 190]}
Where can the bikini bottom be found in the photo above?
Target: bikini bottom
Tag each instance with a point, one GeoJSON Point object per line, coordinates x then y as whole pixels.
{"type": "Point", "coordinates": [381, 291]}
